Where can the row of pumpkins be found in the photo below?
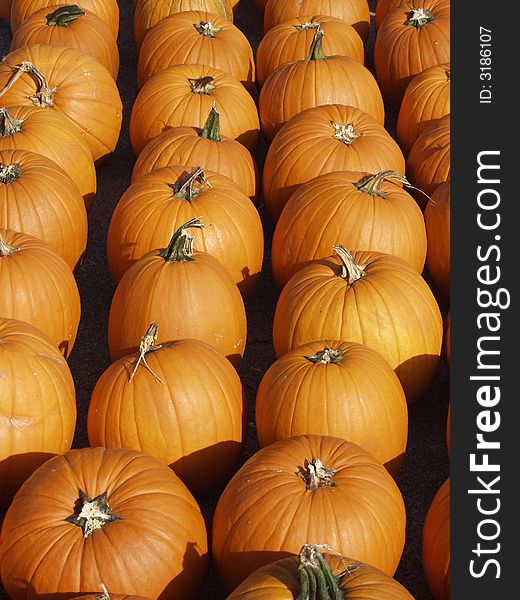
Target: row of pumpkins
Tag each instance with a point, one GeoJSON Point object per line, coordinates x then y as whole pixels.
{"type": "Point", "coordinates": [185, 246]}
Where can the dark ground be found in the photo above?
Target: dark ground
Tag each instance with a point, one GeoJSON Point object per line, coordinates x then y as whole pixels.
{"type": "Point", "coordinates": [426, 463]}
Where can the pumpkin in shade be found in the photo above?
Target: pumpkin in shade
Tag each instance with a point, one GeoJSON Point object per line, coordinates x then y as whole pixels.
{"type": "Point", "coordinates": [196, 37]}
{"type": "Point", "coordinates": [260, 4]}
{"type": "Point", "coordinates": [322, 140]}
{"type": "Point", "coordinates": [411, 38]}
{"type": "Point", "coordinates": [343, 389]}
{"type": "Point", "coordinates": [190, 293]}
{"type": "Point", "coordinates": [436, 544]}
{"type": "Point", "coordinates": [291, 40]}
{"type": "Point", "coordinates": [44, 291]}
{"type": "Point", "coordinates": [383, 7]}
{"type": "Point", "coordinates": [183, 95]}
{"type": "Point", "coordinates": [69, 81]}
{"type": "Point", "coordinates": [437, 217]}
{"type": "Point", "coordinates": [307, 487]}
{"type": "Point", "coordinates": [181, 402]}
{"type": "Point", "coordinates": [108, 515]}
{"type": "Point", "coordinates": [105, 595]}
{"type": "Point", "coordinates": [37, 197]}
{"type": "Point", "coordinates": [5, 11]}
{"type": "Point", "coordinates": [157, 204]}
{"type": "Point", "coordinates": [327, 575]}
{"type": "Point", "coordinates": [48, 132]}
{"type": "Point", "coordinates": [201, 146]}
{"type": "Point", "coordinates": [371, 298]}
{"type": "Point", "coordinates": [313, 81]}
{"type": "Point", "coordinates": [366, 212]}
{"type": "Point", "coordinates": [37, 403]}
{"type": "Point", "coordinates": [447, 349]}
{"type": "Point", "coordinates": [354, 12]}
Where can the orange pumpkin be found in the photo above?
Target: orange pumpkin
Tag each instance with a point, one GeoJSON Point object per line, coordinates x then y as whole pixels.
{"type": "Point", "coordinates": [196, 37]}
{"type": "Point", "coordinates": [5, 11]}
{"type": "Point", "coordinates": [437, 217]}
{"type": "Point", "coordinates": [383, 7]}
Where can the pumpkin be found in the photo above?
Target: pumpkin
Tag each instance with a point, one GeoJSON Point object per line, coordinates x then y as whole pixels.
{"type": "Point", "coordinates": [190, 293]}
{"type": "Point", "coordinates": [48, 132]}
{"type": "Point", "coordinates": [411, 38]}
{"type": "Point", "coordinates": [292, 39]}
{"type": "Point", "coordinates": [307, 487]}
{"type": "Point", "coordinates": [37, 197]}
{"type": "Point", "coordinates": [436, 544]}
{"type": "Point", "coordinates": [343, 577]}
{"type": "Point", "coordinates": [106, 10]}
{"type": "Point", "coordinates": [383, 7]}
{"type": "Point", "coordinates": [322, 140]}
{"type": "Point", "coordinates": [69, 81]}
{"type": "Point", "coordinates": [104, 595]}
{"type": "Point", "coordinates": [5, 11]}
{"type": "Point", "coordinates": [260, 4]}
{"type": "Point", "coordinates": [335, 388]}
{"type": "Point", "coordinates": [437, 217]}
{"type": "Point", "coordinates": [367, 297]}
{"type": "Point", "coordinates": [427, 97]}
{"type": "Point", "coordinates": [196, 37]}
{"type": "Point", "coordinates": [354, 12]}
{"type": "Point", "coordinates": [181, 402]}
{"type": "Point", "coordinates": [71, 26]}
{"type": "Point", "coordinates": [37, 403]}
{"type": "Point", "coordinates": [150, 12]}
{"type": "Point", "coordinates": [108, 515]}
{"type": "Point", "coordinates": [201, 146]}
{"type": "Point", "coordinates": [313, 81]}
{"type": "Point", "coordinates": [43, 289]}
{"type": "Point", "coordinates": [183, 95]}
{"type": "Point", "coordinates": [366, 212]}
{"type": "Point", "coordinates": [157, 204]}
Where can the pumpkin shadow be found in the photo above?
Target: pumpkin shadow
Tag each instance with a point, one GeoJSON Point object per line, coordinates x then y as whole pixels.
{"type": "Point", "coordinates": [416, 375]}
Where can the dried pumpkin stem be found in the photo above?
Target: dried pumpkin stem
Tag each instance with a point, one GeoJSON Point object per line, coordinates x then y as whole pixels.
{"type": "Point", "coordinates": [180, 248]}
{"type": "Point", "coordinates": [371, 184]}
{"type": "Point", "coordinates": [9, 173]}
{"type": "Point", "coordinates": [91, 513]}
{"type": "Point", "coordinates": [8, 124]}
{"type": "Point", "coordinates": [207, 29]}
{"type": "Point", "coordinates": [419, 17]}
{"type": "Point", "coordinates": [104, 594]}
{"type": "Point", "coordinates": [146, 345]}
{"type": "Point", "coordinates": [316, 475]}
{"type": "Point", "coordinates": [308, 25]}
{"type": "Point", "coordinates": [211, 129]}
{"type": "Point", "coordinates": [316, 49]}
{"type": "Point", "coordinates": [350, 269]}
{"type": "Point", "coordinates": [326, 356]}
{"type": "Point", "coordinates": [5, 248]}
{"type": "Point", "coordinates": [346, 134]}
{"type": "Point", "coordinates": [43, 98]}
{"type": "Point", "coordinates": [185, 188]}
{"type": "Point", "coordinates": [202, 85]}
{"type": "Point", "coordinates": [64, 15]}
{"type": "Point", "coordinates": [316, 579]}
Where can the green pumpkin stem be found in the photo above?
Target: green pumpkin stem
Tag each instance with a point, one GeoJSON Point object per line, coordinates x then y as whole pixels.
{"type": "Point", "coordinates": [147, 344]}
{"type": "Point", "coordinates": [207, 29]}
{"type": "Point", "coordinates": [64, 15]}
{"type": "Point", "coordinates": [180, 248]}
{"type": "Point", "coordinates": [185, 188]}
{"type": "Point", "coordinates": [202, 85]}
{"type": "Point", "coordinates": [326, 356]}
{"type": "Point", "coordinates": [351, 271]}
{"type": "Point", "coordinates": [371, 184]}
{"type": "Point", "coordinates": [316, 475]}
{"type": "Point", "coordinates": [211, 129]}
{"type": "Point", "coordinates": [8, 124]}
{"type": "Point", "coordinates": [44, 96]}
{"type": "Point", "coordinates": [91, 513]}
{"type": "Point", "coordinates": [346, 134]}
{"type": "Point", "coordinates": [316, 579]}
{"type": "Point", "coordinates": [5, 248]}
{"type": "Point", "coordinates": [9, 173]}
{"type": "Point", "coordinates": [419, 17]}
{"type": "Point", "coordinates": [316, 50]}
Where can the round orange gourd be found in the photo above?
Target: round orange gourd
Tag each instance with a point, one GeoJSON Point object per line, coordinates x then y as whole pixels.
{"type": "Point", "coordinates": [44, 291]}
{"type": "Point", "coordinates": [181, 290]}
{"type": "Point", "coordinates": [184, 95]}
{"type": "Point", "coordinates": [322, 140]}
{"type": "Point", "coordinates": [367, 297]}
{"type": "Point", "coordinates": [37, 197]}
{"type": "Point", "coordinates": [330, 490]}
{"type": "Point", "coordinates": [196, 37]}
{"type": "Point", "coordinates": [37, 403]}
{"type": "Point", "coordinates": [70, 81]}
{"type": "Point", "coordinates": [313, 81]}
{"type": "Point", "coordinates": [343, 389]}
{"type": "Point", "coordinates": [437, 218]}
{"type": "Point", "coordinates": [383, 7]}
{"type": "Point", "coordinates": [109, 515]}
{"type": "Point", "coordinates": [184, 406]}
{"type": "Point", "coordinates": [366, 212]}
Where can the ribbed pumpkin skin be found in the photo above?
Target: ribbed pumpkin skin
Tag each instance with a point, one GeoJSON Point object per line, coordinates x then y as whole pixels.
{"type": "Point", "coordinates": [383, 7]}
{"type": "Point", "coordinates": [185, 146]}
{"type": "Point", "coordinates": [49, 132]}
{"type": "Point", "coordinates": [44, 202]}
{"type": "Point", "coordinates": [87, 95]}
{"type": "Point", "coordinates": [306, 147]}
{"type": "Point", "coordinates": [266, 512]}
{"type": "Point", "coordinates": [437, 217]}
{"type": "Point", "coordinates": [280, 580]}
{"type": "Point", "coordinates": [45, 292]}
{"type": "Point", "coordinates": [330, 210]}
{"type": "Point", "coordinates": [286, 43]}
{"type": "Point", "coordinates": [391, 309]}
{"type": "Point", "coordinates": [175, 41]}
{"type": "Point", "coordinates": [299, 85]}
{"type": "Point", "coordinates": [87, 33]}
{"type": "Point", "coordinates": [106, 10]}
{"type": "Point", "coordinates": [37, 403]}
{"type": "Point", "coordinates": [354, 12]}
{"type": "Point", "coordinates": [167, 100]}
{"type": "Point", "coordinates": [359, 399]}
{"type": "Point", "coordinates": [427, 98]}
{"type": "Point", "coordinates": [402, 51]}
{"type": "Point", "coordinates": [160, 520]}
{"type": "Point", "coordinates": [192, 421]}
{"type": "Point", "coordinates": [436, 544]}
{"type": "Point", "coordinates": [149, 12]}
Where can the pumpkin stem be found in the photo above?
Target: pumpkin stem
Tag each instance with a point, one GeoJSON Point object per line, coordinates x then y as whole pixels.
{"type": "Point", "coordinates": [180, 248]}
{"type": "Point", "coordinates": [5, 248]}
{"type": "Point", "coordinates": [43, 98]}
{"type": "Point", "coordinates": [91, 513]}
{"type": "Point", "coordinates": [326, 356]}
{"type": "Point", "coordinates": [316, 475]}
{"type": "Point", "coordinates": [104, 594]}
{"type": "Point", "coordinates": [350, 269]}
{"type": "Point", "coordinates": [316, 579]}
{"type": "Point", "coordinates": [419, 17]}
{"type": "Point", "coordinates": [64, 15]}
{"type": "Point", "coordinates": [9, 173]}
{"type": "Point", "coordinates": [8, 124]}
{"type": "Point", "coordinates": [316, 50]}
{"type": "Point", "coordinates": [184, 186]}
{"type": "Point", "coordinates": [207, 29]}
{"type": "Point", "coordinates": [202, 85]}
{"type": "Point", "coordinates": [346, 134]}
{"type": "Point", "coordinates": [211, 129]}
{"type": "Point", "coordinates": [308, 25]}
{"type": "Point", "coordinates": [146, 345]}
{"type": "Point", "coordinates": [371, 184]}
